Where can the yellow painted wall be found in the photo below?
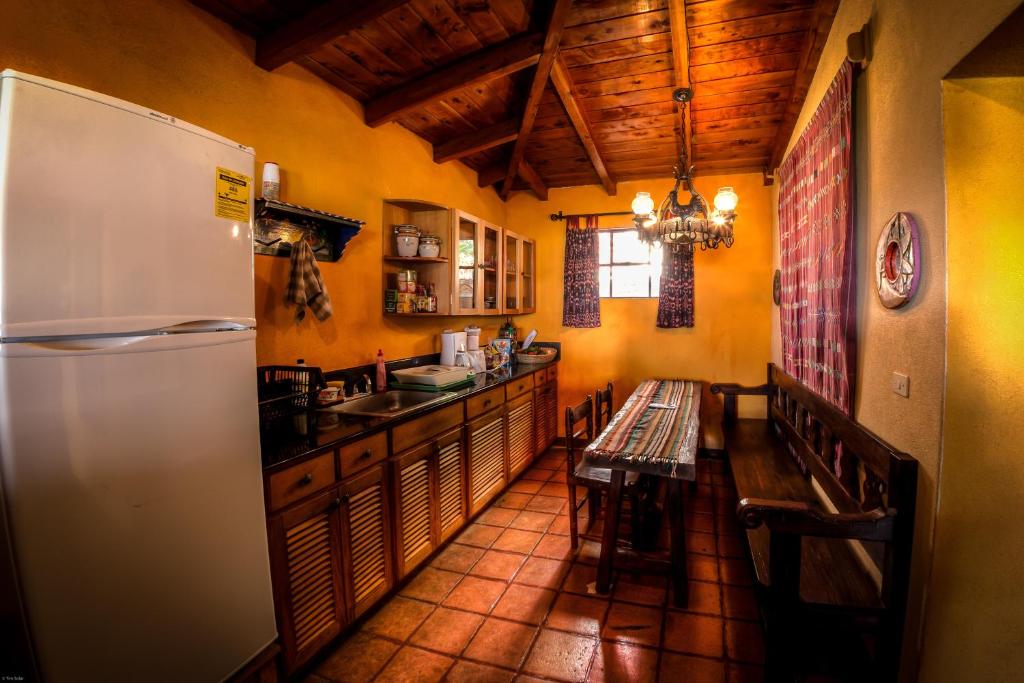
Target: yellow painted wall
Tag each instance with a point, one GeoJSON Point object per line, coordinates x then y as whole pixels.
{"type": "Point", "coordinates": [898, 143]}
{"type": "Point", "coordinates": [172, 57]}
{"type": "Point", "coordinates": [975, 619]}
{"type": "Point", "coordinates": [730, 338]}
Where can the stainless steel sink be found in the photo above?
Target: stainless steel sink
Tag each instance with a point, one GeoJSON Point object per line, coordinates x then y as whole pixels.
{"type": "Point", "coordinates": [391, 403]}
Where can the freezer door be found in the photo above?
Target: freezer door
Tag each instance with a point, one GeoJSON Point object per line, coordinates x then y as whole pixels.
{"type": "Point", "coordinates": [107, 217]}
{"type": "Point", "coordinates": [132, 478]}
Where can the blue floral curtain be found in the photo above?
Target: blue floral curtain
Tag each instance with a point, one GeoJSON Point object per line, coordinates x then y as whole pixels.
{"type": "Point", "coordinates": [675, 301]}
{"type": "Point", "coordinates": [581, 299]}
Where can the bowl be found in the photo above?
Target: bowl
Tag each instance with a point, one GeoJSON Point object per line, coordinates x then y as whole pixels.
{"type": "Point", "coordinates": [545, 354]}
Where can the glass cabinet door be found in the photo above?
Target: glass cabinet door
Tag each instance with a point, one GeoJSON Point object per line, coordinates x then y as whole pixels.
{"type": "Point", "coordinates": [466, 258]}
{"type": "Point", "coordinates": [518, 274]}
{"type": "Point", "coordinates": [527, 278]}
{"type": "Point", "coordinates": [490, 267]}
{"type": "Point", "coordinates": [513, 254]}
{"type": "Point", "coordinates": [477, 262]}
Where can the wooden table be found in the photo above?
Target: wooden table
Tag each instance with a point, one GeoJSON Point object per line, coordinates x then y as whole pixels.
{"type": "Point", "coordinates": [655, 433]}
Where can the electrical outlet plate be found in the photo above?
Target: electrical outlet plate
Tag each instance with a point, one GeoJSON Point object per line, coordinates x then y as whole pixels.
{"type": "Point", "coordinates": [901, 384]}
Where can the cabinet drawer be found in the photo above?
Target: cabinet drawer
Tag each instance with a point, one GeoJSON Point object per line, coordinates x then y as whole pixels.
{"type": "Point", "coordinates": [299, 481]}
{"type": "Point", "coordinates": [481, 403]}
{"type": "Point", "coordinates": [518, 387]}
{"type": "Point", "coordinates": [363, 453]}
{"type": "Point", "coordinates": [422, 428]}
{"type": "Point", "coordinates": [540, 377]}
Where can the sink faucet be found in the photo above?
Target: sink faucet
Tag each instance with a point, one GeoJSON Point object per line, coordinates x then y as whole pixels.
{"type": "Point", "coordinates": [367, 384]}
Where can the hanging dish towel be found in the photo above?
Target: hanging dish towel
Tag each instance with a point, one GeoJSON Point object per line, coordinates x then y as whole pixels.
{"type": "Point", "coordinates": [306, 286]}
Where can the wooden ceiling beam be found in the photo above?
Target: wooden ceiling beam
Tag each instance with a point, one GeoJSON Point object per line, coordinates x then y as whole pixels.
{"type": "Point", "coordinates": [552, 37]}
{"type": "Point", "coordinates": [501, 59]}
{"type": "Point", "coordinates": [814, 42]}
{"type": "Point", "coordinates": [490, 175]}
{"type": "Point", "coordinates": [313, 29]}
{"type": "Point", "coordinates": [533, 179]}
{"type": "Point", "coordinates": [681, 67]}
{"type": "Point", "coordinates": [477, 141]}
{"type": "Point", "coordinates": [562, 81]}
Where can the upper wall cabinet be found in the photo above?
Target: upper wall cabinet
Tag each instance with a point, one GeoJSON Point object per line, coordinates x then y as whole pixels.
{"type": "Point", "coordinates": [518, 283]}
{"type": "Point", "coordinates": [479, 269]}
{"type": "Point", "coordinates": [477, 259]}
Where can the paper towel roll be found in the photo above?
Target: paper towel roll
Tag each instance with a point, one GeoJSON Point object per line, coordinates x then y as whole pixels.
{"type": "Point", "coordinates": [450, 343]}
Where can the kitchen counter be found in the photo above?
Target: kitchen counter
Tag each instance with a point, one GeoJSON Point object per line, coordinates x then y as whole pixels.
{"type": "Point", "coordinates": [285, 446]}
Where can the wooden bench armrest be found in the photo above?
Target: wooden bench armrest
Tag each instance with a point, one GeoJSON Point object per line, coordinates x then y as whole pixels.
{"type": "Point", "coordinates": [730, 391]}
{"type": "Point", "coordinates": [804, 519]}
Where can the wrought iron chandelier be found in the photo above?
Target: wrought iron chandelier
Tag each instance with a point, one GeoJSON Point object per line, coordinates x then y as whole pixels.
{"type": "Point", "coordinates": [692, 223]}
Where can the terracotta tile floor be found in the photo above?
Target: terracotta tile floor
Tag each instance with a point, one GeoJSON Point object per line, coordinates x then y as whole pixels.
{"type": "Point", "coordinates": [507, 601]}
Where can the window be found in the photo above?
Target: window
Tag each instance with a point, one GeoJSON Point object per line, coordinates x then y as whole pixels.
{"type": "Point", "coordinates": [629, 269]}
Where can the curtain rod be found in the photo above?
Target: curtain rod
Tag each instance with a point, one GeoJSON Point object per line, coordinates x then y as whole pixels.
{"type": "Point", "coordinates": [561, 217]}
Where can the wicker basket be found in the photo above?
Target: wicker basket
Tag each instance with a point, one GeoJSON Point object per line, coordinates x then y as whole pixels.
{"type": "Point", "coordinates": [536, 358]}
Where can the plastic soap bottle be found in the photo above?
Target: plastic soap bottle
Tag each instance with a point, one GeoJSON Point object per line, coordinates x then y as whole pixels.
{"type": "Point", "coordinates": [382, 373]}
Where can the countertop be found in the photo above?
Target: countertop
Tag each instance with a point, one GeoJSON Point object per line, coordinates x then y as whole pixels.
{"type": "Point", "coordinates": [285, 445]}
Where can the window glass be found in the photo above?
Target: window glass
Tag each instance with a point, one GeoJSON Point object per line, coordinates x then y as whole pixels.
{"type": "Point", "coordinates": [628, 267]}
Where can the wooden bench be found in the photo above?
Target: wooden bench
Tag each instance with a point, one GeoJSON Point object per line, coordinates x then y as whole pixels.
{"type": "Point", "coordinates": [829, 513]}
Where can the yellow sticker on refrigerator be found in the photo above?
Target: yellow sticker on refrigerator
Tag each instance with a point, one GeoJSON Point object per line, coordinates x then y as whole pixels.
{"type": "Point", "coordinates": [234, 195]}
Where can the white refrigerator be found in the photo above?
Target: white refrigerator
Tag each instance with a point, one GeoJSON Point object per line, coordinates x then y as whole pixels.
{"type": "Point", "coordinates": [132, 499]}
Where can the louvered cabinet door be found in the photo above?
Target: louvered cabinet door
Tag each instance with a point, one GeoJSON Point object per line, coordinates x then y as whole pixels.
{"type": "Point", "coordinates": [486, 458]}
{"type": "Point", "coordinates": [519, 434]}
{"type": "Point", "coordinates": [305, 558]}
{"type": "Point", "coordinates": [541, 426]}
{"type": "Point", "coordinates": [451, 478]}
{"type": "Point", "coordinates": [366, 536]}
{"type": "Point", "coordinates": [552, 415]}
{"type": "Point", "coordinates": [415, 506]}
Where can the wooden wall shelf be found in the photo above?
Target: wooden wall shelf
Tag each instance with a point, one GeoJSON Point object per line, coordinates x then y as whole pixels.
{"type": "Point", "coordinates": [278, 225]}
{"type": "Point", "coordinates": [417, 259]}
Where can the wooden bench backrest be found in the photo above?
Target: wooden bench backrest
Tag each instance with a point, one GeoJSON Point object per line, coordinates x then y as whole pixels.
{"type": "Point", "coordinates": [857, 470]}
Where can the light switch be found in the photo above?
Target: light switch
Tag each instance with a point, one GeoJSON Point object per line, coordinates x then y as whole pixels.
{"type": "Point", "coordinates": [901, 384]}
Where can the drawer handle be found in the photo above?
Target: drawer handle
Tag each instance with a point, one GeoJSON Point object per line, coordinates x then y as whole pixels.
{"type": "Point", "coordinates": [487, 403]}
{"type": "Point", "coordinates": [307, 478]}
{"type": "Point", "coordinates": [366, 455]}
{"type": "Point", "coordinates": [336, 503]}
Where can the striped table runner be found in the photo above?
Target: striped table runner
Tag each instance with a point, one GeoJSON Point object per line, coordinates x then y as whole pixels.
{"type": "Point", "coordinates": [658, 426]}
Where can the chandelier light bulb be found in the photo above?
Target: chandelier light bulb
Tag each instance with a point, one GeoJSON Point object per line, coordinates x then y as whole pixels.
{"type": "Point", "coordinates": [643, 205]}
{"type": "Point", "coordinates": [726, 200]}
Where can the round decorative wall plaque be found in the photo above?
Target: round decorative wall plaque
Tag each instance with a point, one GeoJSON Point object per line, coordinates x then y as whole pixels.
{"type": "Point", "coordinates": [898, 261]}
{"type": "Point", "coordinates": [777, 287]}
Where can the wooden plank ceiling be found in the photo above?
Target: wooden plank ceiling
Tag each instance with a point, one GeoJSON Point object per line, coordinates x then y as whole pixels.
{"type": "Point", "coordinates": [534, 94]}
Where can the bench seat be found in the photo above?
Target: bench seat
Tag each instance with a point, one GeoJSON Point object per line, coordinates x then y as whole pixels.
{"type": "Point", "coordinates": [831, 574]}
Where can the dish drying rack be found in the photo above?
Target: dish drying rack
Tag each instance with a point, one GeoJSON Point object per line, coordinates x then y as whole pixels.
{"type": "Point", "coordinates": [285, 391]}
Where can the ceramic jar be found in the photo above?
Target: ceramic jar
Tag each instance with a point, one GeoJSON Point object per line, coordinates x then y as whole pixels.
{"type": "Point", "coordinates": [430, 246]}
{"type": "Point", "coordinates": [407, 239]}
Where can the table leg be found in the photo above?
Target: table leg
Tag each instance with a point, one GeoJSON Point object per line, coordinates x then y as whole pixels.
{"type": "Point", "coordinates": [680, 580]}
{"type": "Point", "coordinates": [610, 540]}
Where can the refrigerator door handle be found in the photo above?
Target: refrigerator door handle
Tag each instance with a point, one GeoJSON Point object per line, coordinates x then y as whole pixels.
{"type": "Point", "coordinates": [203, 326]}
{"type": "Point", "coordinates": [85, 345]}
